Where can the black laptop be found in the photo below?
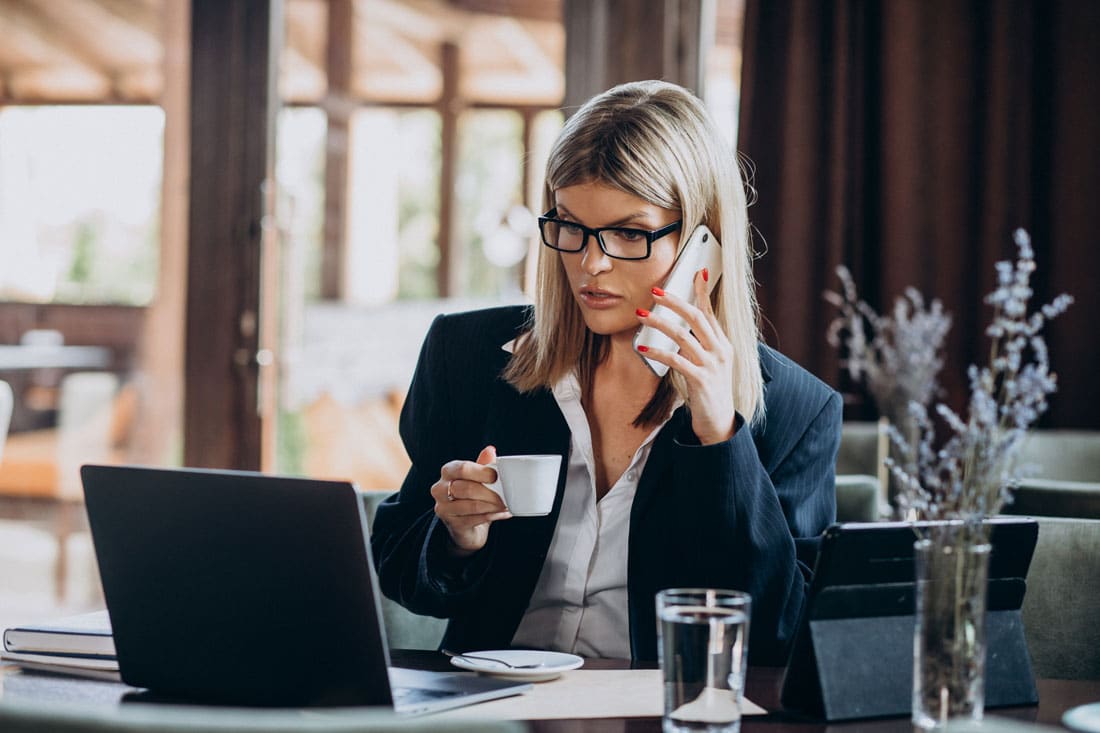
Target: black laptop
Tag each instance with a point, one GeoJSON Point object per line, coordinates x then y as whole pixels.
{"type": "Point", "coordinates": [853, 654]}
{"type": "Point", "coordinates": [249, 589]}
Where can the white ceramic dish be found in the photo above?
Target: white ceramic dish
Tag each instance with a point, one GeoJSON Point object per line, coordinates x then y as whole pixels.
{"type": "Point", "coordinates": [551, 664]}
{"type": "Point", "coordinates": [1085, 718]}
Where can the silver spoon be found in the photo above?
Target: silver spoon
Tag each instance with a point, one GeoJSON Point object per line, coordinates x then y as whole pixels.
{"type": "Point", "coordinates": [492, 659]}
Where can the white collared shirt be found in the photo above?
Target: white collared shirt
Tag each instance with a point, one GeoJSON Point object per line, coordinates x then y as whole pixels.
{"type": "Point", "coordinates": [580, 601]}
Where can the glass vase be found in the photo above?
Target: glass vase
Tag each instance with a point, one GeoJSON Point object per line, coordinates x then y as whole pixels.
{"type": "Point", "coordinates": [952, 570]}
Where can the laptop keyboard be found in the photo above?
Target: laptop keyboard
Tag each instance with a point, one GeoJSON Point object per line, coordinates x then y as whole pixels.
{"type": "Point", "coordinates": [410, 694]}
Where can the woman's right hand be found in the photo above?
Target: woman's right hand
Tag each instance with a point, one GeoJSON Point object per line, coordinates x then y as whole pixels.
{"type": "Point", "coordinates": [465, 505]}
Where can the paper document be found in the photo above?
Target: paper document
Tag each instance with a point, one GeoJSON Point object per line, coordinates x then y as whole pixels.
{"type": "Point", "coordinates": [94, 667]}
{"type": "Point", "coordinates": [585, 693]}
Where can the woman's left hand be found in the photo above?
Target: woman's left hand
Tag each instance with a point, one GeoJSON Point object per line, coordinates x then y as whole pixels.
{"type": "Point", "coordinates": [705, 361]}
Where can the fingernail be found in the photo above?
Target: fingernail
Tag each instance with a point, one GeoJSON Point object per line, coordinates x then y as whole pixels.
{"type": "Point", "coordinates": [642, 348]}
{"type": "Point", "coordinates": [642, 313]}
{"type": "Point", "coordinates": [658, 292]}
{"type": "Point", "coordinates": [706, 275]}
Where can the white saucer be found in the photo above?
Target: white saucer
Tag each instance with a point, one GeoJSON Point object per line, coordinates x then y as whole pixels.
{"type": "Point", "coordinates": [552, 664]}
{"type": "Point", "coordinates": [1084, 718]}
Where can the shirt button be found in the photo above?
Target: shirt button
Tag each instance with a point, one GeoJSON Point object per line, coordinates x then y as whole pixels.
{"type": "Point", "coordinates": [631, 475]}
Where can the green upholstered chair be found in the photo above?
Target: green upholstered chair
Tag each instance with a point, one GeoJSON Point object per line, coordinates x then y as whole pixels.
{"type": "Point", "coordinates": [53, 718]}
{"type": "Point", "coordinates": [858, 452]}
{"type": "Point", "coordinates": [857, 498]}
{"type": "Point", "coordinates": [1063, 455]}
{"type": "Point", "coordinates": [1066, 480]}
{"type": "Point", "coordinates": [1051, 498]}
{"type": "Point", "coordinates": [404, 629]}
{"type": "Point", "coordinates": [1062, 605]}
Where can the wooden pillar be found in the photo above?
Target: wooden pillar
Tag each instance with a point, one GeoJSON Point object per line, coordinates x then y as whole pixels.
{"type": "Point", "coordinates": [338, 109]}
{"type": "Point", "coordinates": [608, 42]}
{"type": "Point", "coordinates": [451, 272]}
{"type": "Point", "coordinates": [234, 48]}
{"type": "Point", "coordinates": [161, 346]}
{"type": "Point", "coordinates": [532, 199]}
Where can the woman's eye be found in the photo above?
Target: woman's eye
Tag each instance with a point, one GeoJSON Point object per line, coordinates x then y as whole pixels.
{"type": "Point", "coordinates": [571, 229]}
{"type": "Point", "coordinates": [630, 235]}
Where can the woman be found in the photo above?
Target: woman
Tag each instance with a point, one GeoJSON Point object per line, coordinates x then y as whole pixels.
{"type": "Point", "coordinates": [708, 476]}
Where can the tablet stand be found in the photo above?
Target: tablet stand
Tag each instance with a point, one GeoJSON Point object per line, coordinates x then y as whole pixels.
{"type": "Point", "coordinates": [856, 661]}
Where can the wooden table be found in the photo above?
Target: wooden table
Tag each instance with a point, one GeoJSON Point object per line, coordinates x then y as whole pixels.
{"type": "Point", "coordinates": [762, 687]}
{"type": "Point", "coordinates": [50, 356]}
{"type": "Point", "coordinates": [19, 363]}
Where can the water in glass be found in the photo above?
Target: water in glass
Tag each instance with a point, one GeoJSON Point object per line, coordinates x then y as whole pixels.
{"type": "Point", "coordinates": [703, 659]}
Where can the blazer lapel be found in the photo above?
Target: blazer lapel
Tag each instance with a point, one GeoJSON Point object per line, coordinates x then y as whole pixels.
{"type": "Point", "coordinates": [657, 464]}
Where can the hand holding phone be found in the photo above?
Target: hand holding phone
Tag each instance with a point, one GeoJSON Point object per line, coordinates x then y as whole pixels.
{"type": "Point", "coordinates": [702, 250]}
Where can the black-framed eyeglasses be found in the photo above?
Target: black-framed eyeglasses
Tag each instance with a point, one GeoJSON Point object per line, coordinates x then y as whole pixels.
{"type": "Point", "coordinates": [621, 243]}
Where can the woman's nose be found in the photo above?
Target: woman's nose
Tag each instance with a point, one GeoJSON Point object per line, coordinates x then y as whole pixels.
{"type": "Point", "coordinates": [594, 261]}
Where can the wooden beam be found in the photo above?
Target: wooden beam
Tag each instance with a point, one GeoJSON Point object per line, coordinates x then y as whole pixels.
{"type": "Point", "coordinates": [361, 103]}
{"type": "Point", "coordinates": [51, 57]}
{"type": "Point", "coordinates": [605, 44]}
{"type": "Point", "coordinates": [234, 49]}
{"type": "Point", "coordinates": [532, 9]}
{"type": "Point", "coordinates": [451, 273]}
{"type": "Point", "coordinates": [529, 196]}
{"type": "Point", "coordinates": [531, 199]}
{"type": "Point", "coordinates": [338, 110]}
{"type": "Point", "coordinates": [116, 43]}
{"type": "Point", "coordinates": [31, 36]}
{"type": "Point", "coordinates": [148, 15]}
{"type": "Point", "coordinates": [160, 408]}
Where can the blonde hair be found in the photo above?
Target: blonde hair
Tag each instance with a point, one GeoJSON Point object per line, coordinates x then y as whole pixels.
{"type": "Point", "coordinates": [656, 141]}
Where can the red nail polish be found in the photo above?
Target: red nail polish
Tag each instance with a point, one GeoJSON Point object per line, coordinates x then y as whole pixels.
{"type": "Point", "coordinates": [642, 313]}
{"type": "Point", "coordinates": [706, 275]}
{"type": "Point", "coordinates": [642, 348]}
{"type": "Point", "coordinates": [658, 292]}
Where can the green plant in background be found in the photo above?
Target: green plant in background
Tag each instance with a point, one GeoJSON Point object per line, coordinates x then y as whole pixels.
{"type": "Point", "coordinates": [290, 444]}
{"type": "Point", "coordinates": [418, 206]}
{"type": "Point", "coordinates": [489, 182]}
{"type": "Point", "coordinates": [84, 245]}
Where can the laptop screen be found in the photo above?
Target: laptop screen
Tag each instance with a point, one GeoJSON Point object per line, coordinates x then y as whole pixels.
{"type": "Point", "coordinates": [239, 586]}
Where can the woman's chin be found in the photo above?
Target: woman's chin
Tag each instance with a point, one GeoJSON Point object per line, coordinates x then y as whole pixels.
{"type": "Point", "coordinates": [606, 324]}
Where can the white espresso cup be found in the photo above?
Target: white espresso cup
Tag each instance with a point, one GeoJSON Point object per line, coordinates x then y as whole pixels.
{"type": "Point", "coordinates": [527, 484]}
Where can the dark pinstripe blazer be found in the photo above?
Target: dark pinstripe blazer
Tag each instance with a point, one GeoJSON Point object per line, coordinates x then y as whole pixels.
{"type": "Point", "coordinates": [728, 515]}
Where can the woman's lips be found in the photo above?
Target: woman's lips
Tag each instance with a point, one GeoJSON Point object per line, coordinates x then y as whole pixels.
{"type": "Point", "coordinates": [599, 299]}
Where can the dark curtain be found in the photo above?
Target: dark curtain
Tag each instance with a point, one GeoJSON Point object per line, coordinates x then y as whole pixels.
{"type": "Point", "coordinates": [908, 140]}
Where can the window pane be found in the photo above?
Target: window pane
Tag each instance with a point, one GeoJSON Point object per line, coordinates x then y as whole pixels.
{"type": "Point", "coordinates": [80, 203]}
{"type": "Point", "coordinates": [300, 170]}
{"type": "Point", "coordinates": [722, 86]}
{"type": "Point", "coordinates": [494, 233]}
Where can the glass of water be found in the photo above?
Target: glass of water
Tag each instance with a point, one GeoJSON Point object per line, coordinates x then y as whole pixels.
{"type": "Point", "coordinates": [703, 642]}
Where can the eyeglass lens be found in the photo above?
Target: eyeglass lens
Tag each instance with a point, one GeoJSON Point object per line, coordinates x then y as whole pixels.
{"type": "Point", "coordinates": [624, 243]}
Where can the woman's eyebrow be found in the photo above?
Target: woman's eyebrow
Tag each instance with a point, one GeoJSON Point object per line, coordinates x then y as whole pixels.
{"type": "Point", "coordinates": [565, 212]}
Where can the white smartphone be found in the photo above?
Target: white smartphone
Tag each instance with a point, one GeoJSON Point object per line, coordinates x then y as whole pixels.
{"type": "Point", "coordinates": [702, 250]}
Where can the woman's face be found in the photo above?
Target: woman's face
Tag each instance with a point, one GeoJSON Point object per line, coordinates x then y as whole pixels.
{"type": "Point", "coordinates": [609, 290]}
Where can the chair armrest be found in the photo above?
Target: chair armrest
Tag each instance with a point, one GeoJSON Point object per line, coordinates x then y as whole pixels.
{"type": "Point", "coordinates": [1050, 498]}
{"type": "Point", "coordinates": [857, 497]}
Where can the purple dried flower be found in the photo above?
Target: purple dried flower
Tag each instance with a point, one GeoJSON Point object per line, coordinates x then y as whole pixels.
{"type": "Point", "coordinates": [900, 361]}
{"type": "Point", "coordinates": [972, 475]}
